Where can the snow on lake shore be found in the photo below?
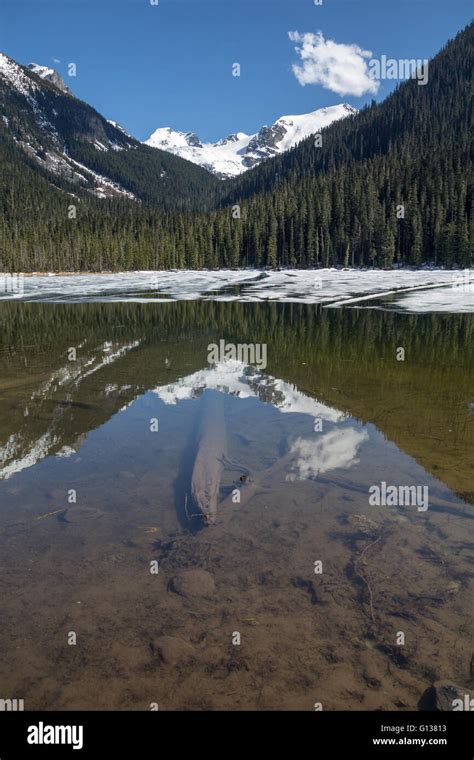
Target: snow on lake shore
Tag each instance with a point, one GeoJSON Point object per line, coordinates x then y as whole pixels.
{"type": "Point", "coordinates": [425, 290]}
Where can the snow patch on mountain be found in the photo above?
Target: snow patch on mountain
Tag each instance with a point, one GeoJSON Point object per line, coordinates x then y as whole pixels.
{"type": "Point", "coordinates": [43, 71]}
{"type": "Point", "coordinates": [50, 75]}
{"type": "Point", "coordinates": [48, 146]}
{"type": "Point", "coordinates": [104, 187]}
{"type": "Point", "coordinates": [64, 166]}
{"type": "Point", "coordinates": [16, 77]}
{"type": "Point", "coordinates": [238, 152]}
{"type": "Point", "coordinates": [119, 127]}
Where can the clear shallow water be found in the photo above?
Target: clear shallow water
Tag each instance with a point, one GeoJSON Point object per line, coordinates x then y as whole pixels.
{"type": "Point", "coordinates": [85, 566]}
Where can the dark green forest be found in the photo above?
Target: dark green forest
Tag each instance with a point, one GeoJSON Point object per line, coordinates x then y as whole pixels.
{"type": "Point", "coordinates": [391, 185]}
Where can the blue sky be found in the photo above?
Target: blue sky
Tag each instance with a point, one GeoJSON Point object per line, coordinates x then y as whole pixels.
{"type": "Point", "coordinates": [149, 66]}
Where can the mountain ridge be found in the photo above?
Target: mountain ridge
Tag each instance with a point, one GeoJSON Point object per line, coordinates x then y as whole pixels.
{"type": "Point", "coordinates": [66, 139]}
{"type": "Point", "coordinates": [234, 154]}
{"type": "Point", "coordinates": [45, 72]}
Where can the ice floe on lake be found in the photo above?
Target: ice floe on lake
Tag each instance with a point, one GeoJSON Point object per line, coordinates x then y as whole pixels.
{"type": "Point", "coordinates": [425, 290]}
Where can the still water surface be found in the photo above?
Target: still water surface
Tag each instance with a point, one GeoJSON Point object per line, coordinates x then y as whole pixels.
{"type": "Point", "coordinates": [97, 450]}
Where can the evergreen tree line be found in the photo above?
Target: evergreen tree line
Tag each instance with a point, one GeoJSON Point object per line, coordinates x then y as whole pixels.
{"type": "Point", "coordinates": [391, 185]}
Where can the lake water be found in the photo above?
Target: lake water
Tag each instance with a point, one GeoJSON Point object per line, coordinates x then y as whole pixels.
{"type": "Point", "coordinates": [299, 593]}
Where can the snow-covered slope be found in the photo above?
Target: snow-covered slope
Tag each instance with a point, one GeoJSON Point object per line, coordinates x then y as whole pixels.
{"type": "Point", "coordinates": [51, 75]}
{"type": "Point", "coordinates": [15, 75]}
{"type": "Point", "coordinates": [43, 121]}
{"type": "Point", "coordinates": [56, 131]}
{"type": "Point", "coordinates": [234, 154]}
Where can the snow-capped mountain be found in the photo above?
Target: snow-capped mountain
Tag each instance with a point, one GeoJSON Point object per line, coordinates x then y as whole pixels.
{"type": "Point", "coordinates": [51, 75]}
{"type": "Point", "coordinates": [79, 150]}
{"type": "Point", "coordinates": [48, 120]}
{"type": "Point", "coordinates": [238, 152]}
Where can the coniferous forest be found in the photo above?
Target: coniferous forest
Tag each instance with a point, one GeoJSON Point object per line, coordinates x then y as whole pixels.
{"type": "Point", "coordinates": [391, 185]}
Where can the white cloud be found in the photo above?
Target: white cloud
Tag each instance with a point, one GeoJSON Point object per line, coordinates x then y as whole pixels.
{"type": "Point", "coordinates": [56, 60]}
{"type": "Point", "coordinates": [337, 67]}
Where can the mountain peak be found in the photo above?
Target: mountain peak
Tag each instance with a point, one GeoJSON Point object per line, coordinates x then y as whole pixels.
{"type": "Point", "coordinates": [50, 75]}
{"type": "Point", "coordinates": [238, 152]}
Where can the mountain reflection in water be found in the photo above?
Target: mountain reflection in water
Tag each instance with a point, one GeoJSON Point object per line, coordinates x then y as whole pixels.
{"type": "Point", "coordinates": [333, 414]}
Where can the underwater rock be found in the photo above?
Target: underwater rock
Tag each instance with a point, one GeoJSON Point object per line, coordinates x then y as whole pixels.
{"type": "Point", "coordinates": [193, 583]}
{"type": "Point", "coordinates": [445, 696]}
{"type": "Point", "coordinates": [172, 650]}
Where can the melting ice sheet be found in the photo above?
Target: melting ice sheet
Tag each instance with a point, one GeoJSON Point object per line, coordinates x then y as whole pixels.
{"type": "Point", "coordinates": [413, 290]}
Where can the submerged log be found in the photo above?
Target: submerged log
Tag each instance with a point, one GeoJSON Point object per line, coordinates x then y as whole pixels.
{"type": "Point", "coordinates": [210, 456]}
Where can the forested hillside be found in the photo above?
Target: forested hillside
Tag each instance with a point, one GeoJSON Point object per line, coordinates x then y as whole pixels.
{"type": "Point", "coordinates": [77, 149]}
{"type": "Point", "coordinates": [339, 202]}
{"type": "Point", "coordinates": [389, 185]}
